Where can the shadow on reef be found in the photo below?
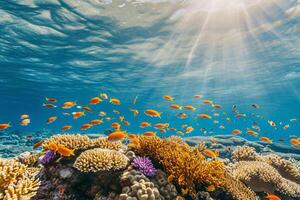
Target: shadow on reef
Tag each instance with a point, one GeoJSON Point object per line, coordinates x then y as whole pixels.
{"type": "Point", "coordinates": [75, 167]}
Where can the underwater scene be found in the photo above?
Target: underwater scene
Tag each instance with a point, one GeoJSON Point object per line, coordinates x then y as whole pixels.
{"type": "Point", "coordinates": [150, 100]}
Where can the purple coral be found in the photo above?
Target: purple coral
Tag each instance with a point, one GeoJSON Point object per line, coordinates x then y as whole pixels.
{"type": "Point", "coordinates": [47, 158]}
{"type": "Point", "coordinates": [144, 165]}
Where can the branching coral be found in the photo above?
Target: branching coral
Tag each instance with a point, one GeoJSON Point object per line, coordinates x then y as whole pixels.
{"type": "Point", "coordinates": [70, 141]}
{"type": "Point", "coordinates": [30, 160]}
{"type": "Point", "coordinates": [17, 181]}
{"type": "Point", "coordinates": [286, 168]}
{"type": "Point", "coordinates": [103, 143]}
{"type": "Point", "coordinates": [260, 176]}
{"type": "Point", "coordinates": [96, 160]}
{"type": "Point", "coordinates": [186, 166]}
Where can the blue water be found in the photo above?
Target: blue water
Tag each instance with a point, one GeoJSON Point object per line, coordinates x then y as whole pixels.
{"type": "Point", "coordinates": [234, 54]}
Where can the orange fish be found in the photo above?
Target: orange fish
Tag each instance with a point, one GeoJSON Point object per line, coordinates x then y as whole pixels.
{"type": "Point", "coordinates": [52, 146]}
{"type": "Point", "coordinates": [161, 125]}
{"type": "Point", "coordinates": [189, 107]}
{"type": "Point", "coordinates": [116, 126]}
{"type": "Point", "coordinates": [153, 113]}
{"type": "Point", "coordinates": [115, 101]}
{"type": "Point", "coordinates": [175, 106]}
{"type": "Point", "coordinates": [250, 132]}
{"type": "Point", "coordinates": [65, 128]}
{"type": "Point", "coordinates": [108, 118]}
{"type": "Point", "coordinates": [149, 133]}
{"type": "Point", "coordinates": [53, 100]}
{"type": "Point", "coordinates": [68, 104]}
{"type": "Point", "coordinates": [126, 123]}
{"type": "Point", "coordinates": [95, 100]}
{"type": "Point", "coordinates": [76, 115]}
{"type": "Point", "coordinates": [117, 135]}
{"type": "Point", "coordinates": [145, 124]}
{"type": "Point", "coordinates": [24, 116]}
{"type": "Point", "coordinates": [204, 116]}
{"type": "Point", "coordinates": [182, 115]}
{"type": "Point", "coordinates": [102, 114]}
{"type": "Point", "coordinates": [38, 144]}
{"type": "Point", "coordinates": [169, 98]}
{"type": "Point", "coordinates": [86, 108]}
{"type": "Point", "coordinates": [49, 105]}
{"type": "Point", "coordinates": [64, 151]}
{"type": "Point", "coordinates": [216, 106]}
{"type": "Point", "coordinates": [85, 126]}
{"type": "Point", "coordinates": [95, 122]}
{"type": "Point", "coordinates": [134, 111]}
{"type": "Point", "coordinates": [295, 141]}
{"type": "Point", "coordinates": [273, 197]}
{"type": "Point", "coordinates": [25, 122]}
{"type": "Point", "coordinates": [206, 101]}
{"type": "Point", "coordinates": [104, 96]}
{"type": "Point", "coordinates": [51, 119]}
{"type": "Point", "coordinates": [236, 131]}
{"type": "Point", "coordinates": [179, 132]}
{"type": "Point", "coordinates": [209, 153]}
{"type": "Point", "coordinates": [198, 96]}
{"type": "Point", "coordinates": [266, 139]}
{"type": "Point", "coordinates": [189, 129]}
{"type": "Point", "coordinates": [131, 136]}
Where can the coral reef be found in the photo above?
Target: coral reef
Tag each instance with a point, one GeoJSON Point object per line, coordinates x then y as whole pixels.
{"type": "Point", "coordinates": [70, 141]}
{"type": "Point", "coordinates": [262, 177]}
{"type": "Point", "coordinates": [103, 143]}
{"type": "Point", "coordinates": [96, 160]}
{"type": "Point", "coordinates": [144, 165]}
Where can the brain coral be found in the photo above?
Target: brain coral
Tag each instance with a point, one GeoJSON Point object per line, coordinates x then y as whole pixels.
{"type": "Point", "coordinates": [96, 160]}
{"type": "Point", "coordinates": [102, 142]}
{"type": "Point", "coordinates": [70, 141]}
{"type": "Point", "coordinates": [17, 181]}
{"type": "Point", "coordinates": [187, 166]}
{"type": "Point", "coordinates": [260, 176]}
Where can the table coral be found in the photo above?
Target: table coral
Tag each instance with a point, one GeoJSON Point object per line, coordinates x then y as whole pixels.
{"type": "Point", "coordinates": [102, 142]}
{"type": "Point", "coordinates": [96, 160]}
{"type": "Point", "coordinates": [77, 142]}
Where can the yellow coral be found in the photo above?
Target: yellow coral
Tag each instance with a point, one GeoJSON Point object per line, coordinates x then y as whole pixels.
{"type": "Point", "coordinates": [103, 143]}
{"type": "Point", "coordinates": [96, 160]}
{"type": "Point", "coordinates": [17, 181]}
{"type": "Point", "coordinates": [245, 153]}
{"type": "Point", "coordinates": [260, 176]}
{"type": "Point", "coordinates": [187, 166]}
{"type": "Point", "coordinates": [70, 141]}
{"type": "Point", "coordinates": [30, 160]}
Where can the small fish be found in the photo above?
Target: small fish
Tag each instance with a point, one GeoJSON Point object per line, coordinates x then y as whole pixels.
{"type": "Point", "coordinates": [255, 106]}
{"type": "Point", "coordinates": [217, 106]}
{"type": "Point", "coordinates": [239, 115]}
{"type": "Point", "coordinates": [266, 139]}
{"type": "Point", "coordinates": [189, 107]}
{"type": "Point", "coordinates": [134, 100]}
{"type": "Point", "coordinates": [66, 127]}
{"type": "Point", "coordinates": [161, 125]}
{"type": "Point", "coordinates": [236, 131]}
{"type": "Point", "coordinates": [51, 119]}
{"type": "Point", "coordinates": [49, 99]}
{"type": "Point", "coordinates": [66, 114]}
{"type": "Point", "coordinates": [116, 126]}
{"type": "Point", "coordinates": [117, 135]}
{"type": "Point", "coordinates": [121, 118]}
{"type": "Point", "coordinates": [206, 101]}
{"type": "Point", "coordinates": [104, 96]}
{"type": "Point", "coordinates": [295, 141]}
{"type": "Point", "coordinates": [77, 115]}
{"type": "Point", "coordinates": [95, 122]}
{"type": "Point", "coordinates": [250, 132]}
{"type": "Point", "coordinates": [189, 129]}
{"type": "Point", "coordinates": [25, 122]}
{"type": "Point", "coordinates": [198, 96]}
{"type": "Point", "coordinates": [49, 105]}
{"type": "Point", "coordinates": [86, 108]}
{"type": "Point", "coordinates": [228, 120]}
{"type": "Point", "coordinates": [38, 144]}
{"type": "Point", "coordinates": [68, 104]}
{"type": "Point", "coordinates": [52, 146]}
{"type": "Point", "coordinates": [271, 123]}
{"type": "Point", "coordinates": [256, 128]}
{"type": "Point", "coordinates": [204, 116]}
{"type": "Point", "coordinates": [108, 118]}
{"type": "Point", "coordinates": [102, 114]}
{"type": "Point", "coordinates": [179, 133]}
{"type": "Point", "coordinates": [286, 127]}
{"type": "Point", "coordinates": [182, 115]}
{"type": "Point", "coordinates": [273, 197]}
{"type": "Point", "coordinates": [95, 100]}
{"type": "Point", "coordinates": [115, 101]}
{"type": "Point", "coordinates": [153, 113]}
{"type": "Point", "coordinates": [29, 136]}
{"type": "Point", "coordinates": [85, 126]}
{"type": "Point", "coordinates": [209, 153]}
{"type": "Point", "coordinates": [222, 127]}
{"type": "Point", "coordinates": [175, 106]}
{"type": "Point", "coordinates": [149, 133]}
{"type": "Point", "coordinates": [134, 112]}
{"type": "Point", "coordinates": [79, 107]}
{"type": "Point", "coordinates": [64, 151]}
{"type": "Point", "coordinates": [169, 98]}
{"type": "Point", "coordinates": [216, 114]}
{"type": "Point", "coordinates": [145, 124]}
{"type": "Point", "coordinates": [293, 120]}
{"type": "Point", "coordinates": [24, 116]}
{"type": "Point", "coordinates": [126, 123]}
{"type": "Point", "coordinates": [116, 112]}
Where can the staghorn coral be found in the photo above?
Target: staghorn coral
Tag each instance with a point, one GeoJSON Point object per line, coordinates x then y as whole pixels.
{"type": "Point", "coordinates": [17, 181]}
{"type": "Point", "coordinates": [103, 143]}
{"type": "Point", "coordinates": [260, 176]}
{"type": "Point", "coordinates": [70, 141]}
{"type": "Point", "coordinates": [188, 167]}
{"type": "Point", "coordinates": [30, 160]}
{"type": "Point", "coordinates": [286, 168]}
{"type": "Point", "coordinates": [96, 160]}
